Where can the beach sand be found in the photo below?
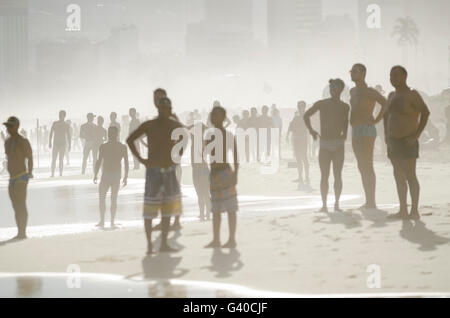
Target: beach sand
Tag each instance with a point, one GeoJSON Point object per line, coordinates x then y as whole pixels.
{"type": "Point", "coordinates": [301, 252]}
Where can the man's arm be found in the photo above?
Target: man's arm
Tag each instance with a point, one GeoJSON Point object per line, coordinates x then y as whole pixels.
{"type": "Point", "coordinates": [383, 102]}
{"type": "Point", "coordinates": [345, 130]}
{"type": "Point", "coordinates": [386, 117]}
{"type": "Point", "coordinates": [69, 137]}
{"type": "Point", "coordinates": [98, 164]}
{"type": "Point", "coordinates": [127, 166]}
{"type": "Point", "coordinates": [420, 105]}
{"type": "Point", "coordinates": [135, 135]}
{"type": "Point", "coordinates": [50, 137]}
{"type": "Point", "coordinates": [307, 119]}
{"type": "Point", "coordinates": [29, 156]}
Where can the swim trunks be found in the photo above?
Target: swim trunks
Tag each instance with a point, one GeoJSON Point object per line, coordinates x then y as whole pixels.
{"type": "Point", "coordinates": [162, 193]}
{"type": "Point", "coordinates": [364, 131]}
{"type": "Point", "coordinates": [397, 148]}
{"type": "Point", "coordinates": [21, 178]}
{"type": "Point", "coordinates": [223, 190]}
{"type": "Point", "coordinates": [332, 145]}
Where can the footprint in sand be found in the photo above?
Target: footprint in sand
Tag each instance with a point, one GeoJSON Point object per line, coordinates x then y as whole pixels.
{"type": "Point", "coordinates": [352, 276]}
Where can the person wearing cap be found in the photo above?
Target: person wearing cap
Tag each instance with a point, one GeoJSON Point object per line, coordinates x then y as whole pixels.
{"type": "Point", "coordinates": [59, 139]}
{"type": "Point", "coordinates": [18, 152]}
{"type": "Point", "coordinates": [333, 133]}
{"type": "Point", "coordinates": [87, 133]}
{"type": "Point", "coordinates": [162, 187]}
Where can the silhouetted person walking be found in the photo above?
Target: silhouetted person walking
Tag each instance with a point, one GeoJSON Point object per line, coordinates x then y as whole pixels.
{"type": "Point", "coordinates": [364, 133]}
{"type": "Point", "coordinates": [110, 159]}
{"type": "Point", "coordinates": [223, 180]}
{"type": "Point", "coordinates": [101, 135]}
{"type": "Point", "coordinates": [405, 119]}
{"type": "Point", "coordinates": [19, 154]}
{"type": "Point", "coordinates": [162, 188]}
{"type": "Point", "coordinates": [333, 133]}
{"type": "Point", "coordinates": [114, 122]}
{"type": "Point", "coordinates": [88, 133]}
{"type": "Point", "coordinates": [60, 135]}
{"type": "Point", "coordinates": [299, 133]}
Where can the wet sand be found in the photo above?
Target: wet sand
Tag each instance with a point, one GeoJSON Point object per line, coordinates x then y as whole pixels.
{"type": "Point", "coordinates": [297, 251]}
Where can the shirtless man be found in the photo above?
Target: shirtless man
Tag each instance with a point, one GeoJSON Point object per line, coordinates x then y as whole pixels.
{"type": "Point", "coordinates": [405, 119]}
{"type": "Point", "coordinates": [87, 133]}
{"type": "Point", "coordinates": [297, 129]}
{"type": "Point", "coordinates": [364, 133]}
{"type": "Point", "coordinates": [333, 133]}
{"type": "Point", "coordinates": [101, 135]}
{"type": "Point", "coordinates": [110, 159]}
{"type": "Point", "coordinates": [18, 151]}
{"type": "Point", "coordinates": [162, 188]}
{"type": "Point", "coordinates": [114, 122]}
{"type": "Point", "coordinates": [61, 137]}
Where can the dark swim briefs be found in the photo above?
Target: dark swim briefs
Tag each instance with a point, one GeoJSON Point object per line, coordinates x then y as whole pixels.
{"type": "Point", "coordinates": [398, 148]}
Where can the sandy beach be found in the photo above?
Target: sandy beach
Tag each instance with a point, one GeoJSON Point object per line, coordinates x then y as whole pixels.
{"type": "Point", "coordinates": [299, 250]}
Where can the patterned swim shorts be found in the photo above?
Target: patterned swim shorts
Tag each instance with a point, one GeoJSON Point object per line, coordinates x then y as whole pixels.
{"type": "Point", "coordinates": [223, 191]}
{"type": "Point", "coordinates": [162, 193]}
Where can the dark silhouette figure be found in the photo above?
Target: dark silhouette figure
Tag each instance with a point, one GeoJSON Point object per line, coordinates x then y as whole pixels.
{"type": "Point", "coordinates": [266, 122]}
{"type": "Point", "coordinates": [333, 133]}
{"type": "Point", "coordinates": [297, 129]}
{"type": "Point", "coordinates": [223, 179]}
{"type": "Point", "coordinates": [59, 139]}
{"type": "Point", "coordinates": [114, 122]}
{"type": "Point", "coordinates": [69, 144]}
{"type": "Point", "coordinates": [110, 159]}
{"type": "Point", "coordinates": [88, 133]}
{"type": "Point", "coordinates": [253, 123]}
{"type": "Point", "coordinates": [162, 187]}
{"type": "Point", "coordinates": [101, 135]}
{"type": "Point", "coordinates": [405, 119]}
{"type": "Point", "coordinates": [18, 152]}
{"type": "Point", "coordinates": [364, 133]}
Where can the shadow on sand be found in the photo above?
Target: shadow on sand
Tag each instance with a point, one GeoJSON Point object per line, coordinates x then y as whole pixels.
{"type": "Point", "coordinates": [376, 216]}
{"type": "Point", "coordinates": [417, 233]}
{"type": "Point", "coordinates": [223, 264]}
{"type": "Point", "coordinates": [346, 218]}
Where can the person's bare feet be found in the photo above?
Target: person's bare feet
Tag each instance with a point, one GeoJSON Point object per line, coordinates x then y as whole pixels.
{"type": "Point", "coordinates": [176, 226]}
{"type": "Point", "coordinates": [213, 244]}
{"type": "Point", "coordinates": [230, 244]}
{"type": "Point", "coordinates": [414, 215]}
{"type": "Point", "coordinates": [401, 215]}
{"type": "Point", "coordinates": [337, 208]}
{"type": "Point", "coordinates": [100, 224]}
{"type": "Point", "coordinates": [167, 249]}
{"type": "Point", "coordinates": [150, 249]}
{"type": "Point", "coordinates": [323, 209]}
{"type": "Point", "coordinates": [20, 237]}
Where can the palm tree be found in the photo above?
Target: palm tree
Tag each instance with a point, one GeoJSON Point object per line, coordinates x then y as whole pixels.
{"type": "Point", "coordinates": [407, 32]}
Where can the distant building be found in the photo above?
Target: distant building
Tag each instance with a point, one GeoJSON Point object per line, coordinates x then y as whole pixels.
{"type": "Point", "coordinates": [13, 41]}
{"type": "Point", "coordinates": [290, 23]}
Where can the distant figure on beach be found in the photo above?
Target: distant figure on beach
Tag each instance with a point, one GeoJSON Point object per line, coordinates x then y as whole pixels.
{"type": "Point", "coordinates": [405, 119]}
{"type": "Point", "coordinates": [379, 126]}
{"type": "Point", "coordinates": [87, 134]}
{"type": "Point", "coordinates": [162, 188]}
{"type": "Point", "coordinates": [76, 137]}
{"type": "Point", "coordinates": [277, 124]}
{"type": "Point", "coordinates": [19, 155]}
{"type": "Point", "coordinates": [333, 133]}
{"type": "Point", "coordinates": [447, 133]}
{"type": "Point", "coordinates": [110, 159]}
{"type": "Point", "coordinates": [200, 169]}
{"type": "Point", "coordinates": [114, 122]}
{"type": "Point", "coordinates": [297, 129]}
{"type": "Point", "coordinates": [253, 123]}
{"type": "Point", "coordinates": [134, 124]}
{"type": "Point", "coordinates": [245, 125]}
{"type": "Point", "coordinates": [101, 135]}
{"type": "Point", "coordinates": [59, 139]}
{"type": "Point", "coordinates": [364, 133]}
{"type": "Point", "coordinates": [223, 179]}
{"type": "Point", "coordinates": [266, 122]}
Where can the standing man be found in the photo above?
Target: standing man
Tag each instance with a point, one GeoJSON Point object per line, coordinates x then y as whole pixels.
{"type": "Point", "coordinates": [61, 137]}
{"type": "Point", "coordinates": [18, 151]}
{"type": "Point", "coordinates": [364, 133]}
{"type": "Point", "coordinates": [134, 124]}
{"type": "Point", "coordinates": [162, 187]}
{"type": "Point", "coordinates": [110, 160]}
{"type": "Point", "coordinates": [87, 133]}
{"type": "Point", "coordinates": [266, 122]}
{"type": "Point", "coordinates": [299, 133]}
{"type": "Point", "coordinates": [114, 122]}
{"type": "Point", "coordinates": [405, 119]}
{"type": "Point", "coordinates": [333, 133]}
